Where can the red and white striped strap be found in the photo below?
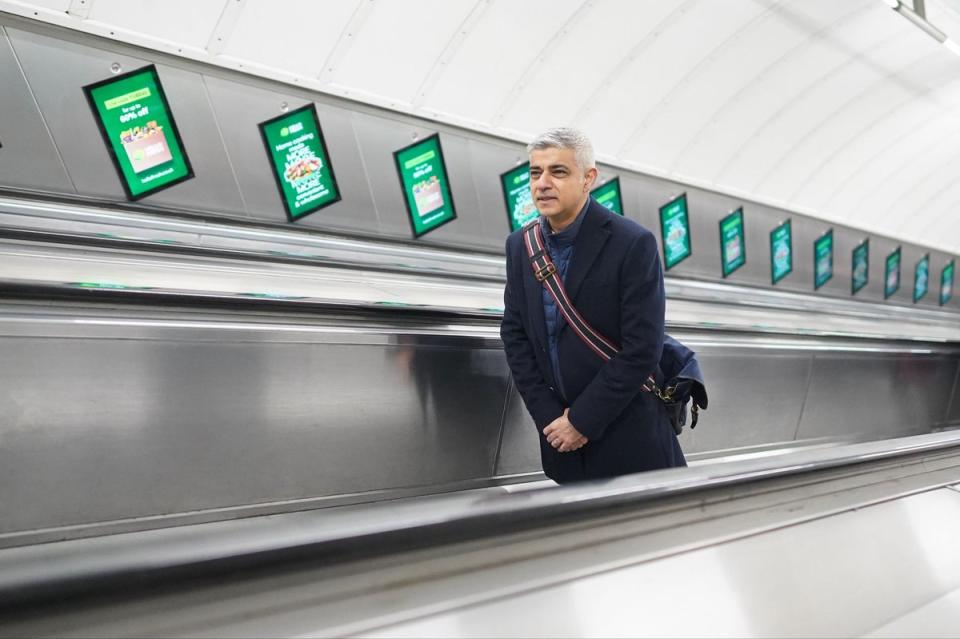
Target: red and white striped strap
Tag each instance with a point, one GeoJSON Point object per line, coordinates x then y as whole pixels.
{"type": "Point", "coordinates": [546, 273]}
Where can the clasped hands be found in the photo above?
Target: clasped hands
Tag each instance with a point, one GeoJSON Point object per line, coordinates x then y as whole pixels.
{"type": "Point", "coordinates": [561, 434]}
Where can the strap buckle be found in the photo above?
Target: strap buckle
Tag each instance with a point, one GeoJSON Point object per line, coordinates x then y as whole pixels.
{"type": "Point", "coordinates": [665, 394]}
{"type": "Point", "coordinates": [545, 271]}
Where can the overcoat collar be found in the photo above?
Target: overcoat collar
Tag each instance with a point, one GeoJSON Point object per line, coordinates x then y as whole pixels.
{"type": "Point", "coordinates": [590, 241]}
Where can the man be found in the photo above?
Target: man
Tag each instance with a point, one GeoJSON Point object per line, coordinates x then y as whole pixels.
{"type": "Point", "coordinates": [594, 420]}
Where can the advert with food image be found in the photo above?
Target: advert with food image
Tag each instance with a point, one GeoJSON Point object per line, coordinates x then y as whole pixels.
{"type": "Point", "coordinates": [146, 146]}
{"type": "Point", "coordinates": [297, 150]}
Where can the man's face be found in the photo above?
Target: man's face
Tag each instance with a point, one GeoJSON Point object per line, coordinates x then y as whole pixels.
{"type": "Point", "coordinates": [557, 183]}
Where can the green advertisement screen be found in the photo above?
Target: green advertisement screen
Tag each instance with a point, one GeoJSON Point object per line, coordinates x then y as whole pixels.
{"type": "Point", "coordinates": [781, 252]}
{"type": "Point", "coordinates": [946, 283]}
{"type": "Point", "coordinates": [823, 259]}
{"type": "Point", "coordinates": [517, 195]}
{"type": "Point", "coordinates": [426, 188]}
{"type": "Point", "coordinates": [891, 277]}
{"type": "Point", "coordinates": [733, 247]}
{"type": "Point", "coordinates": [137, 126]}
{"type": "Point", "coordinates": [301, 164]}
{"type": "Point", "coordinates": [675, 231]}
{"type": "Point", "coordinates": [921, 278]}
{"type": "Point", "coordinates": [609, 195]}
{"type": "Point", "coordinates": [860, 267]}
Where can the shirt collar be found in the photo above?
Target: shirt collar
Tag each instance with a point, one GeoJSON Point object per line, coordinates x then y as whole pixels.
{"type": "Point", "coordinates": [568, 235]}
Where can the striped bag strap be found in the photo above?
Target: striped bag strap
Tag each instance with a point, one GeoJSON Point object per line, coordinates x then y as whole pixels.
{"type": "Point", "coordinates": [546, 273]}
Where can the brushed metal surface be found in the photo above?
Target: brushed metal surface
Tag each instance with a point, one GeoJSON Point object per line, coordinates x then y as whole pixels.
{"type": "Point", "coordinates": [28, 158]}
{"type": "Point", "coordinates": [214, 187]}
{"type": "Point", "coordinates": [377, 139]}
{"type": "Point", "coordinates": [60, 268]}
{"type": "Point", "coordinates": [755, 398]}
{"type": "Point", "coordinates": [144, 411]}
{"type": "Point", "coordinates": [876, 395]}
{"type": "Point", "coordinates": [844, 575]}
{"type": "Point", "coordinates": [218, 113]}
{"type": "Point", "coordinates": [183, 421]}
{"type": "Point", "coordinates": [57, 70]}
{"type": "Point", "coordinates": [884, 510]}
{"type": "Point", "coordinates": [240, 108]}
{"type": "Point", "coordinates": [519, 448]}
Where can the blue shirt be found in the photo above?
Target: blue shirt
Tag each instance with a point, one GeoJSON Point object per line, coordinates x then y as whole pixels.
{"type": "Point", "coordinates": [560, 247]}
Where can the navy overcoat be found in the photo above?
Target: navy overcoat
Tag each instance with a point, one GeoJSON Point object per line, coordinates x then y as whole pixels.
{"type": "Point", "coordinates": [616, 283]}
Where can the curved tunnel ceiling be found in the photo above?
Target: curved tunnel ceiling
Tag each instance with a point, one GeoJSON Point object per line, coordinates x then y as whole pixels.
{"type": "Point", "coordinates": [841, 110]}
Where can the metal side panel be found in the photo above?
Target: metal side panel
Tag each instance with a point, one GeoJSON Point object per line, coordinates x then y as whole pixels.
{"type": "Point", "coordinates": [57, 70]}
{"type": "Point", "coordinates": [378, 139]}
{"type": "Point", "coordinates": [214, 185]}
{"type": "Point", "coordinates": [953, 411]}
{"type": "Point", "coordinates": [870, 531]}
{"type": "Point", "coordinates": [876, 395]}
{"type": "Point", "coordinates": [841, 575]}
{"type": "Point", "coordinates": [519, 447]}
{"type": "Point", "coordinates": [756, 397]}
{"type": "Point", "coordinates": [169, 420]}
{"type": "Point", "coordinates": [28, 156]}
{"type": "Point", "coordinates": [239, 108]}
{"type": "Point", "coordinates": [487, 162]}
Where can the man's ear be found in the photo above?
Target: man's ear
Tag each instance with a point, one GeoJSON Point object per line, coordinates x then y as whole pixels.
{"type": "Point", "coordinates": [591, 176]}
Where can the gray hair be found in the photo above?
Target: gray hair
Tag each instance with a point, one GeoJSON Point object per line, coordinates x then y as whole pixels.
{"type": "Point", "coordinates": [566, 138]}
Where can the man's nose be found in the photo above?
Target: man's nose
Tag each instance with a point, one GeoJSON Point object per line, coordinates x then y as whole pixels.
{"type": "Point", "coordinates": [542, 181]}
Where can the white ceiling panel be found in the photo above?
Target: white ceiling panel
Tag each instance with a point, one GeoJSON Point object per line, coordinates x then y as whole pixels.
{"type": "Point", "coordinates": [524, 28]}
{"type": "Point", "coordinates": [839, 109]}
{"type": "Point", "coordinates": [700, 98]}
{"type": "Point", "coordinates": [923, 218]}
{"type": "Point", "coordinates": [904, 138]}
{"type": "Point", "coordinates": [185, 22]}
{"type": "Point", "coordinates": [789, 57]}
{"type": "Point", "coordinates": [929, 180]}
{"type": "Point", "coordinates": [862, 131]}
{"type": "Point", "coordinates": [911, 182]}
{"type": "Point", "coordinates": [27, 8]}
{"type": "Point", "coordinates": [543, 95]}
{"type": "Point", "coordinates": [396, 47]}
{"type": "Point", "coordinates": [946, 15]}
{"type": "Point", "coordinates": [816, 144]}
{"type": "Point", "coordinates": [727, 109]}
{"type": "Point", "coordinates": [693, 95]}
{"type": "Point", "coordinates": [296, 38]}
{"type": "Point", "coordinates": [811, 105]}
{"type": "Point", "coordinates": [641, 85]}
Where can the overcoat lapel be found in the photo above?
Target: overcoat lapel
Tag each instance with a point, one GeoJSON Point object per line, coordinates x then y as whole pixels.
{"type": "Point", "coordinates": [592, 236]}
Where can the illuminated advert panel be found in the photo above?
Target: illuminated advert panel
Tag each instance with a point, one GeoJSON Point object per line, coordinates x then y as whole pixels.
{"type": "Point", "coordinates": [921, 278]}
{"type": "Point", "coordinates": [823, 259]}
{"type": "Point", "coordinates": [859, 266]}
{"type": "Point", "coordinates": [781, 252]}
{"type": "Point", "coordinates": [733, 248]}
{"type": "Point", "coordinates": [609, 196]}
{"type": "Point", "coordinates": [426, 188]}
{"type": "Point", "coordinates": [946, 283]}
{"type": "Point", "coordinates": [137, 126]}
{"type": "Point", "coordinates": [675, 231]}
{"type": "Point", "coordinates": [518, 197]}
{"type": "Point", "coordinates": [891, 274]}
{"type": "Point", "coordinates": [300, 162]}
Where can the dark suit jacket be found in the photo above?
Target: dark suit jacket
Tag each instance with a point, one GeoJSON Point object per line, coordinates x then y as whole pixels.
{"type": "Point", "coordinates": [615, 282]}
